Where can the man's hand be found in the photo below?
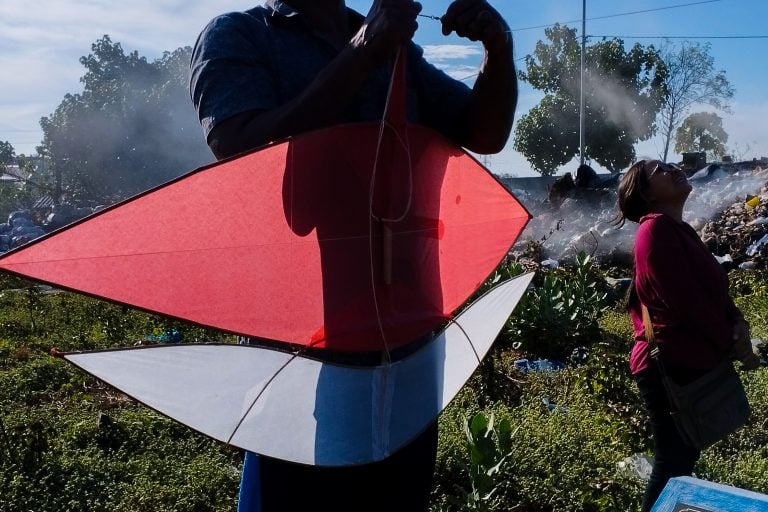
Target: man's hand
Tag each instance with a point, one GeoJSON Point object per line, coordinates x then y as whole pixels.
{"type": "Point", "coordinates": [389, 25]}
{"type": "Point", "coordinates": [476, 20]}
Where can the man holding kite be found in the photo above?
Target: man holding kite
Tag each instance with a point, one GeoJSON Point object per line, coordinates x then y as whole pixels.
{"type": "Point", "coordinates": [295, 66]}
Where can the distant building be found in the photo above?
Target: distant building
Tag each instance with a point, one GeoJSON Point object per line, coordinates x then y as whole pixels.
{"type": "Point", "coordinates": [694, 161]}
{"type": "Point", "coordinates": [12, 173]}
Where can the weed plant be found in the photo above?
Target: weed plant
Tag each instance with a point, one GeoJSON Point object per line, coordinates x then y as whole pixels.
{"type": "Point", "coordinates": [560, 312]}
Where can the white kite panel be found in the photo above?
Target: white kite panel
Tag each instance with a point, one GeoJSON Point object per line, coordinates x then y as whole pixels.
{"type": "Point", "coordinates": [300, 409]}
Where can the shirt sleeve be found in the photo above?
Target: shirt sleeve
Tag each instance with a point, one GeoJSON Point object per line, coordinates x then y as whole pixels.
{"type": "Point", "coordinates": [666, 280]}
{"type": "Point", "coordinates": [230, 72]}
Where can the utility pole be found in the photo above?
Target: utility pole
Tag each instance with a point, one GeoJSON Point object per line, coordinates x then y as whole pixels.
{"type": "Point", "coordinates": [581, 93]}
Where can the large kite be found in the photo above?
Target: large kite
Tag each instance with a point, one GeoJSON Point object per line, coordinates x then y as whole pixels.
{"type": "Point", "coordinates": [356, 238]}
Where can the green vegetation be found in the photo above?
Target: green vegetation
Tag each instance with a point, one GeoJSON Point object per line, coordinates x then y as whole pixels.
{"type": "Point", "coordinates": [560, 313]}
{"type": "Point", "coordinates": [702, 131]}
{"type": "Point", "coordinates": [570, 429]}
{"type": "Point", "coordinates": [539, 441]}
{"type": "Point", "coordinates": [67, 442]}
{"type": "Point", "coordinates": [631, 94]}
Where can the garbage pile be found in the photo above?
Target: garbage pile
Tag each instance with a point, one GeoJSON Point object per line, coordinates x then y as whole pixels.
{"type": "Point", "coordinates": [739, 235]}
{"type": "Point", "coordinates": [23, 226]}
{"type": "Point", "coordinates": [20, 229]}
{"type": "Point", "coordinates": [728, 206]}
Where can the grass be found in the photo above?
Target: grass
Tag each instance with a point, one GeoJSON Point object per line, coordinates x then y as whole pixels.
{"type": "Point", "coordinates": [67, 442]}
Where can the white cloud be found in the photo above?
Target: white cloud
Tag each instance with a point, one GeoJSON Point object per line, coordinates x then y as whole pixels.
{"type": "Point", "coordinates": [75, 24]}
{"type": "Point", "coordinates": [447, 52]}
{"type": "Point", "coordinates": [32, 75]}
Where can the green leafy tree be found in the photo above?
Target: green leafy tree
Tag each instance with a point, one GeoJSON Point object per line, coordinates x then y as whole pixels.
{"type": "Point", "coordinates": [691, 80]}
{"type": "Point", "coordinates": [132, 127]}
{"type": "Point", "coordinates": [7, 154]}
{"type": "Point", "coordinates": [702, 131]}
{"type": "Point", "coordinates": [623, 94]}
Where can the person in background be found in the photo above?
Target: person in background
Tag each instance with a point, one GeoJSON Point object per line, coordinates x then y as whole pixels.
{"type": "Point", "coordinates": [695, 321]}
{"type": "Point", "coordinates": [293, 66]}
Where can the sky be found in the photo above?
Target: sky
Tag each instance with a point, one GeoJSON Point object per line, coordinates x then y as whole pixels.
{"type": "Point", "coordinates": [41, 42]}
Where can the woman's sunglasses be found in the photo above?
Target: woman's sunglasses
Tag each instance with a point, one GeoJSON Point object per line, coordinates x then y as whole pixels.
{"type": "Point", "coordinates": [662, 167]}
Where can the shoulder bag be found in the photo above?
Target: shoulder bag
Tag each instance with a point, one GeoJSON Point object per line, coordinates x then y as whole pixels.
{"type": "Point", "coordinates": [706, 410]}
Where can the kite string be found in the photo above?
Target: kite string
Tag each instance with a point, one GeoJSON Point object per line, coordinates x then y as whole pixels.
{"type": "Point", "coordinates": [405, 143]}
{"type": "Point", "coordinates": [294, 355]}
{"type": "Point", "coordinates": [453, 320]}
{"type": "Point", "coordinates": [407, 146]}
{"type": "Point", "coordinates": [387, 355]}
{"type": "Point", "coordinates": [371, 217]}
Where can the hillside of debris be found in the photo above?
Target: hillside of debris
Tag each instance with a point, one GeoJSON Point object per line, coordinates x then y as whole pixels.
{"type": "Point", "coordinates": [728, 206]}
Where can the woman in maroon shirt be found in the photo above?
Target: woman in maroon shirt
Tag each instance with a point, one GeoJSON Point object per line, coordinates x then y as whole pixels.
{"type": "Point", "coordinates": [695, 321]}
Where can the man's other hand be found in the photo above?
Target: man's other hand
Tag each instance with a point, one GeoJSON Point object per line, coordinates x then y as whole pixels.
{"type": "Point", "coordinates": [476, 20]}
{"type": "Point", "coordinates": [389, 25]}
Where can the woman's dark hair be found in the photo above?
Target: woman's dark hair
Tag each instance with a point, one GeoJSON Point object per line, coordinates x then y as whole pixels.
{"type": "Point", "coordinates": [632, 204]}
{"type": "Point", "coordinates": [630, 296]}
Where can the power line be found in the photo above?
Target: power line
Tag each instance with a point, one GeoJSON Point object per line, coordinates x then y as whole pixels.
{"type": "Point", "coordinates": [685, 37]}
{"type": "Point", "coordinates": [630, 13]}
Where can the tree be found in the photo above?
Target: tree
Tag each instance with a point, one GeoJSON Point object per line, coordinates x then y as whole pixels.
{"type": "Point", "coordinates": [702, 131]}
{"type": "Point", "coordinates": [623, 94]}
{"type": "Point", "coordinates": [691, 80]}
{"type": "Point", "coordinates": [132, 127]}
{"type": "Point", "coordinates": [7, 153]}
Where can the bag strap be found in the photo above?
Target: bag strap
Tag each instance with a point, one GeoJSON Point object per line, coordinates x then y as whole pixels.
{"type": "Point", "coordinates": [650, 338]}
